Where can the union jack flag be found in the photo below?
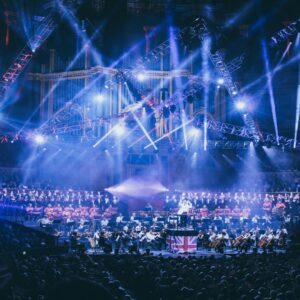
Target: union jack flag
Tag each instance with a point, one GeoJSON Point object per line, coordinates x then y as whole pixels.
{"type": "Point", "coordinates": [182, 244]}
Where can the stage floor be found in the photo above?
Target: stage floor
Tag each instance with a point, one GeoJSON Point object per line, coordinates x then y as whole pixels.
{"type": "Point", "coordinates": [198, 253]}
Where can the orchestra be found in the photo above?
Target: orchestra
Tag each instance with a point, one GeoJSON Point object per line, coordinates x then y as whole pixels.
{"type": "Point", "coordinates": [238, 222]}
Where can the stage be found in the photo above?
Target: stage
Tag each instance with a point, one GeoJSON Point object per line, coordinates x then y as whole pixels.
{"type": "Point", "coordinates": [199, 253]}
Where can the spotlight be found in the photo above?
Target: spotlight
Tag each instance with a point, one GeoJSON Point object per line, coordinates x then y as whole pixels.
{"type": "Point", "coordinates": [99, 98]}
{"type": "Point", "coordinates": [120, 129]}
{"type": "Point", "coordinates": [140, 77]}
{"type": "Point", "coordinates": [193, 132]}
{"type": "Point", "coordinates": [234, 93]}
{"type": "Point", "coordinates": [220, 81]}
{"type": "Point", "coordinates": [106, 86]}
{"type": "Point", "coordinates": [39, 139]}
{"type": "Point", "coordinates": [240, 105]}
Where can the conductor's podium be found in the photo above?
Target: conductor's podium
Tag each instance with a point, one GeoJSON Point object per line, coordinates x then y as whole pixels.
{"type": "Point", "coordinates": [182, 240]}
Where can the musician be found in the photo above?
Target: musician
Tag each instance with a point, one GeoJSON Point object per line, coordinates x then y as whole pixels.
{"type": "Point", "coordinates": [96, 237]}
{"type": "Point", "coordinates": [267, 219]}
{"type": "Point", "coordinates": [219, 211]}
{"type": "Point", "coordinates": [138, 227]}
{"type": "Point", "coordinates": [133, 217]}
{"type": "Point", "coordinates": [29, 209]}
{"type": "Point", "coordinates": [94, 212]}
{"type": "Point", "coordinates": [115, 201]}
{"type": "Point", "coordinates": [133, 242]}
{"type": "Point", "coordinates": [222, 239]}
{"type": "Point", "coordinates": [211, 235]}
{"type": "Point", "coordinates": [104, 222]}
{"type": "Point", "coordinates": [120, 240]}
{"type": "Point", "coordinates": [255, 220]}
{"type": "Point", "coordinates": [104, 241]}
{"type": "Point", "coordinates": [148, 238]}
{"type": "Point", "coordinates": [246, 241]}
{"type": "Point", "coordinates": [267, 204]}
{"type": "Point", "coordinates": [82, 223]}
{"type": "Point", "coordinates": [227, 221]}
{"type": "Point", "coordinates": [225, 235]}
{"type": "Point", "coordinates": [280, 207]}
{"type": "Point", "coordinates": [246, 213]}
{"type": "Point", "coordinates": [227, 211]}
{"type": "Point", "coordinates": [280, 237]}
{"type": "Point", "coordinates": [49, 211]}
{"type": "Point", "coordinates": [44, 221]}
{"type": "Point", "coordinates": [74, 237]}
{"type": "Point", "coordinates": [70, 223]}
{"type": "Point", "coordinates": [119, 219]}
{"type": "Point", "coordinates": [203, 239]}
{"type": "Point", "coordinates": [125, 228]}
{"type": "Point", "coordinates": [184, 206]}
{"type": "Point", "coordinates": [204, 212]}
{"type": "Point", "coordinates": [161, 240]}
{"type": "Point", "coordinates": [236, 212]}
{"type": "Point", "coordinates": [218, 222]}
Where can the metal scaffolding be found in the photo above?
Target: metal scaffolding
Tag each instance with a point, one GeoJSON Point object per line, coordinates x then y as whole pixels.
{"type": "Point", "coordinates": [225, 71]}
{"type": "Point", "coordinates": [21, 61]}
{"type": "Point", "coordinates": [267, 139]}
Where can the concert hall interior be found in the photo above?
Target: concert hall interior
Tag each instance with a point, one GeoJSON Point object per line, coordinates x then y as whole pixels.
{"type": "Point", "coordinates": [149, 149]}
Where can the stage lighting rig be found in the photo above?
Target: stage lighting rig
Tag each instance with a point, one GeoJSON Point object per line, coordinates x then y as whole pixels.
{"type": "Point", "coordinates": [140, 76]}
{"type": "Point", "coordinates": [193, 132]}
{"type": "Point", "coordinates": [220, 81]}
{"type": "Point", "coordinates": [120, 129]}
{"type": "Point", "coordinates": [46, 27]}
{"type": "Point", "coordinates": [39, 139]}
{"type": "Point", "coordinates": [285, 33]}
{"type": "Point", "coordinates": [241, 105]}
{"type": "Point", "coordinates": [99, 98]}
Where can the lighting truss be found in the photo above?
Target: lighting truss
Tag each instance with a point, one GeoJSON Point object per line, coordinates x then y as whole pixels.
{"type": "Point", "coordinates": [196, 30]}
{"type": "Point", "coordinates": [199, 30]}
{"type": "Point", "coordinates": [225, 71]}
{"type": "Point", "coordinates": [246, 133]}
{"type": "Point", "coordinates": [228, 144]}
{"type": "Point", "coordinates": [21, 61]}
{"type": "Point", "coordinates": [285, 33]}
{"type": "Point", "coordinates": [235, 63]}
{"type": "Point", "coordinates": [165, 147]}
{"type": "Point", "coordinates": [58, 126]}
